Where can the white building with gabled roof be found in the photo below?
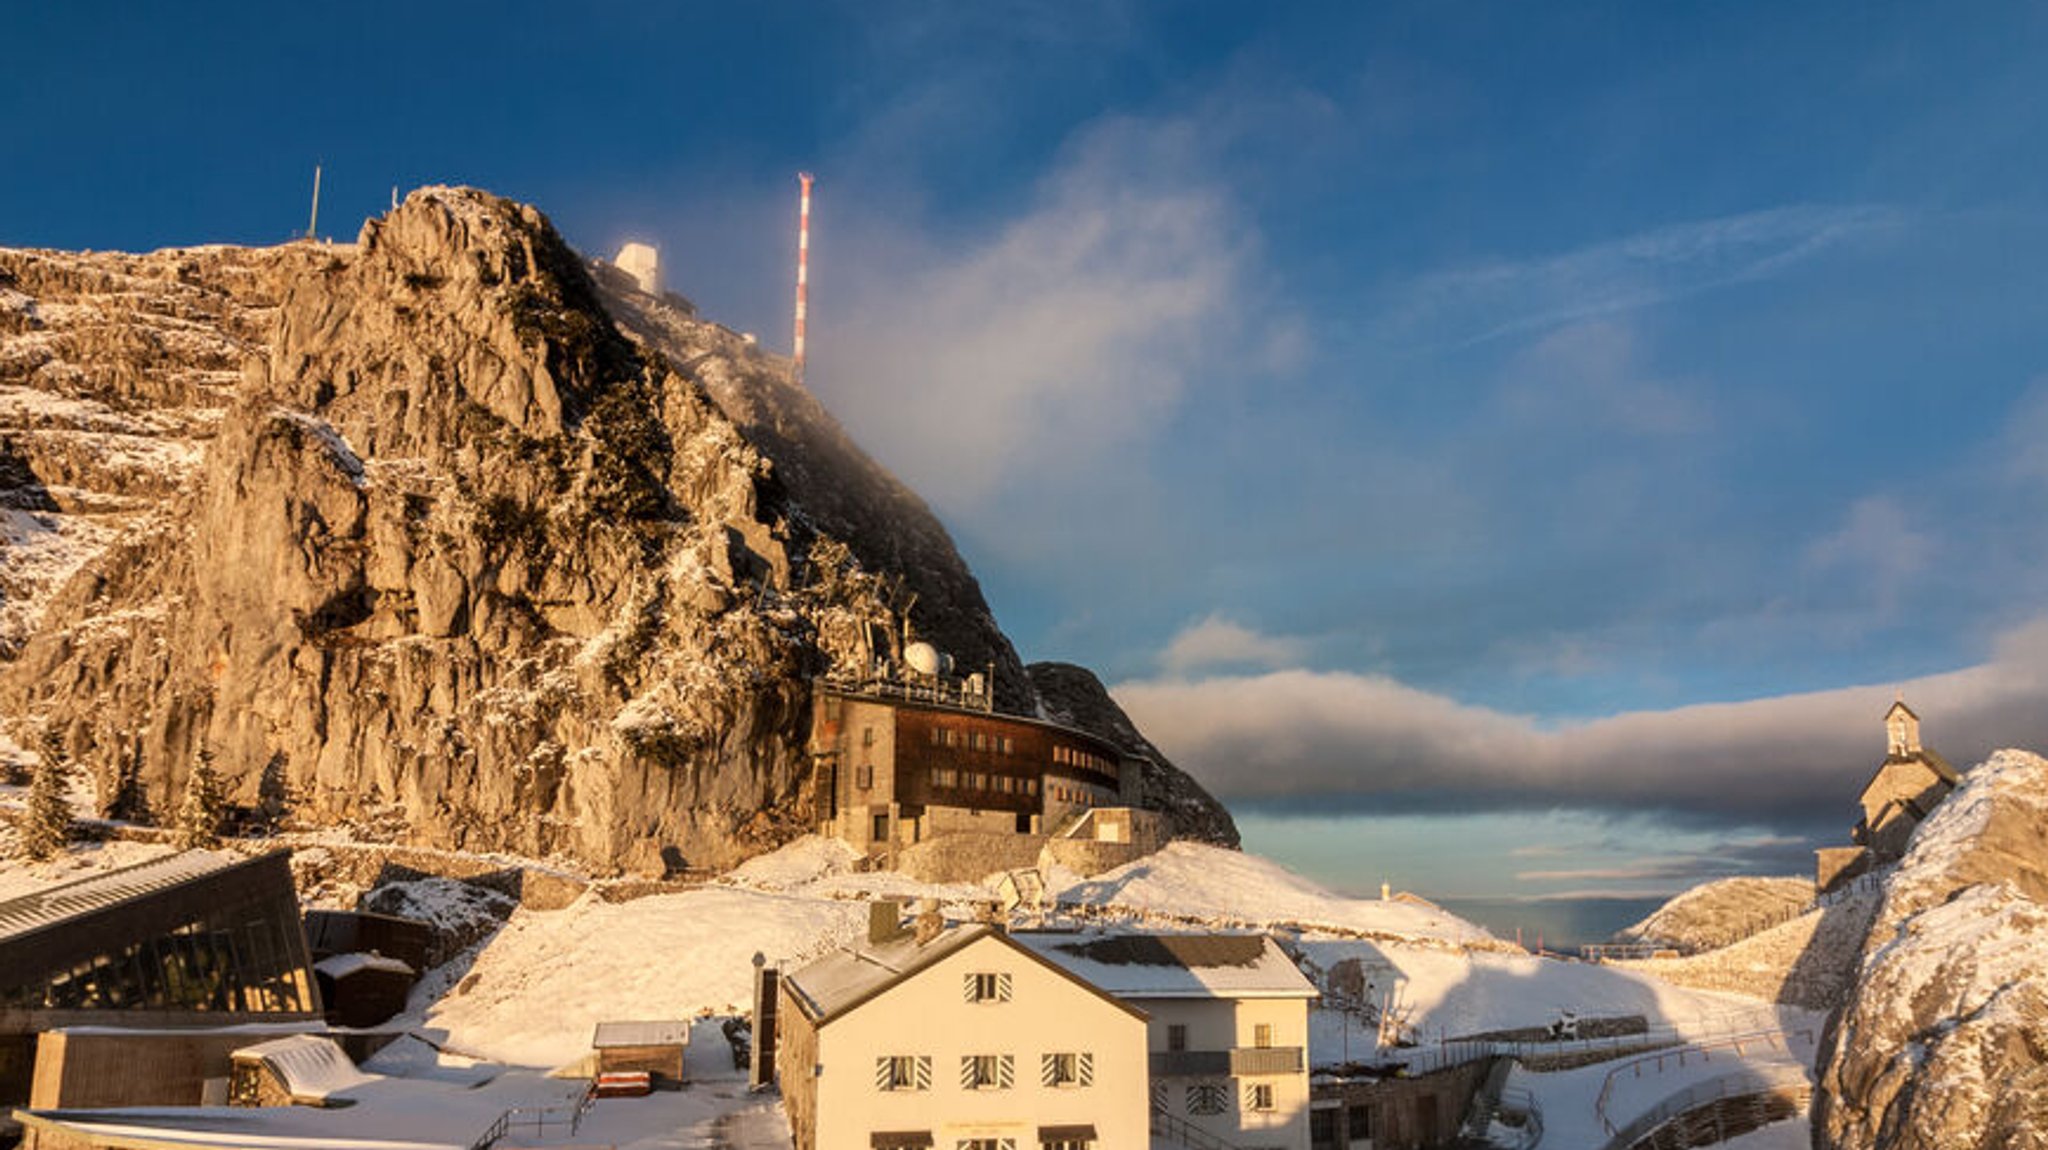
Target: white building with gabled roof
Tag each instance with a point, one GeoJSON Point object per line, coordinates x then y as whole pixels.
{"type": "Point", "coordinates": [956, 1038]}
{"type": "Point", "coordinates": [1227, 1036]}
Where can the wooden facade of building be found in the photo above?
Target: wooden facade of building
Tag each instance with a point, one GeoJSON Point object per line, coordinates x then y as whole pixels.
{"type": "Point", "coordinates": [894, 772]}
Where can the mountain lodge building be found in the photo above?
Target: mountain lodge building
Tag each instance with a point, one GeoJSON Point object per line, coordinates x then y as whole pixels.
{"type": "Point", "coordinates": [894, 770]}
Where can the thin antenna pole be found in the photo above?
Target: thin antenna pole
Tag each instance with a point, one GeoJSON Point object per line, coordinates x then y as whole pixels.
{"type": "Point", "coordinates": [803, 273]}
{"type": "Point", "coordinates": [313, 225]}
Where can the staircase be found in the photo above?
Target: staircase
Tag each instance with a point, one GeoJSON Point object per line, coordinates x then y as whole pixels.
{"type": "Point", "coordinates": [1486, 1102]}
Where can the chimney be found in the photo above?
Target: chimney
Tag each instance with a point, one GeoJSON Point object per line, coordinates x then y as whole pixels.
{"type": "Point", "coordinates": [930, 923]}
{"type": "Point", "coordinates": [885, 922]}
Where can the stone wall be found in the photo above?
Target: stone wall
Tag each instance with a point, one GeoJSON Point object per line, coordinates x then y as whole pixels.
{"type": "Point", "coordinates": [969, 856]}
{"type": "Point", "coordinates": [1086, 857]}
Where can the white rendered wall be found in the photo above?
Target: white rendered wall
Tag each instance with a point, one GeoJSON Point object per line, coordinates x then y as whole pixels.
{"type": "Point", "coordinates": [928, 1015]}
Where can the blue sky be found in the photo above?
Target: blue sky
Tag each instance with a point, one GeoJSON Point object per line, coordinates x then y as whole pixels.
{"type": "Point", "coordinates": [1536, 439]}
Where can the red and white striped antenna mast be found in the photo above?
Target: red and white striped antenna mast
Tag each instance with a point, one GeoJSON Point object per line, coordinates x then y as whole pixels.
{"type": "Point", "coordinates": [803, 274]}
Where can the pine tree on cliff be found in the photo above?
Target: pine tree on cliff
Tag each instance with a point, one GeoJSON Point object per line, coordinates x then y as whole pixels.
{"type": "Point", "coordinates": [47, 826]}
{"type": "Point", "coordinates": [200, 812]}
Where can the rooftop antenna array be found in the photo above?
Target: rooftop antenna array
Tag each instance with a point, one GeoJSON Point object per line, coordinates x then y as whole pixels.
{"type": "Point", "coordinates": [803, 275]}
{"type": "Point", "coordinates": [313, 224]}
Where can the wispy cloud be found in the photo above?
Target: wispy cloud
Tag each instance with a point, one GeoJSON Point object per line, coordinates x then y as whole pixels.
{"type": "Point", "coordinates": [1040, 346]}
{"type": "Point", "coordinates": [1877, 548]}
{"type": "Point", "coordinates": [1489, 300]}
{"type": "Point", "coordinates": [1298, 739]}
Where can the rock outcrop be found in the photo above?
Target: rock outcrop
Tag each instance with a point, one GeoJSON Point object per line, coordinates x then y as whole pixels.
{"type": "Point", "coordinates": [412, 536]}
{"type": "Point", "coordinates": [1072, 695]}
{"type": "Point", "coordinates": [1717, 913]}
{"type": "Point", "coordinates": [1943, 1043]}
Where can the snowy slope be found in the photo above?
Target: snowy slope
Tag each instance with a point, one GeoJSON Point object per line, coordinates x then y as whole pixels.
{"type": "Point", "coordinates": [539, 988]}
{"type": "Point", "coordinates": [1196, 884]}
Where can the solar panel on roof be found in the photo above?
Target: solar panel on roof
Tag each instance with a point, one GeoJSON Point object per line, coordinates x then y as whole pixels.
{"type": "Point", "coordinates": [1192, 951]}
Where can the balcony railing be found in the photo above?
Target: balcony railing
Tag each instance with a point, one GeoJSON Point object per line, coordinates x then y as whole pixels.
{"type": "Point", "coordinates": [1190, 1063]}
{"type": "Point", "coordinates": [1246, 1061]}
{"type": "Point", "coordinates": [1239, 1062]}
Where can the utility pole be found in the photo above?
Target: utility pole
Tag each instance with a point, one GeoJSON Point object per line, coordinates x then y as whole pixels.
{"type": "Point", "coordinates": [313, 225]}
{"type": "Point", "coordinates": [803, 276]}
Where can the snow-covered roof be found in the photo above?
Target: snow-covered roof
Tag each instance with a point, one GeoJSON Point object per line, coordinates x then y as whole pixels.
{"type": "Point", "coordinates": [343, 965]}
{"type": "Point", "coordinates": [312, 1068]}
{"type": "Point", "coordinates": [665, 1033]}
{"type": "Point", "coordinates": [31, 912]}
{"type": "Point", "coordinates": [1132, 965]}
{"type": "Point", "coordinates": [846, 978]}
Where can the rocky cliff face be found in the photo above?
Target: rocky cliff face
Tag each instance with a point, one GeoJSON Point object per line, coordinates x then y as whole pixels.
{"type": "Point", "coordinates": [1074, 696]}
{"type": "Point", "coordinates": [1943, 1042]}
{"type": "Point", "coordinates": [410, 536]}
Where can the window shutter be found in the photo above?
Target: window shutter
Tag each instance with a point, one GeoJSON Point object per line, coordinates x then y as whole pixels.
{"type": "Point", "coordinates": [924, 1072]}
{"type": "Point", "coordinates": [967, 982]}
{"type": "Point", "coordinates": [1003, 987]}
{"type": "Point", "coordinates": [967, 1073]}
{"type": "Point", "coordinates": [884, 1073]}
{"type": "Point", "coordinates": [1006, 1075]}
{"type": "Point", "coordinates": [1087, 1065]}
{"type": "Point", "coordinates": [1048, 1069]}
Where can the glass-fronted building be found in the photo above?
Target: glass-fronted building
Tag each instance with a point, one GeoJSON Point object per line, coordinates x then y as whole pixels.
{"type": "Point", "coordinates": [193, 932]}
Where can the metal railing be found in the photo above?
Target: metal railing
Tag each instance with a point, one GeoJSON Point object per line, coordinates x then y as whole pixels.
{"type": "Point", "coordinates": [1748, 928]}
{"type": "Point", "coordinates": [948, 694]}
{"type": "Point", "coordinates": [1447, 1053]}
{"type": "Point", "coordinates": [1735, 1084]}
{"type": "Point", "coordinates": [1190, 1063]}
{"type": "Point", "coordinates": [569, 1113]}
{"type": "Point", "coordinates": [1702, 1051]}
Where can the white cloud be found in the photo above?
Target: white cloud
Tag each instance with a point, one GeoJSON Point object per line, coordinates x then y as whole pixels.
{"type": "Point", "coordinates": [1050, 341]}
{"type": "Point", "coordinates": [1300, 738]}
{"type": "Point", "coordinates": [1219, 642]}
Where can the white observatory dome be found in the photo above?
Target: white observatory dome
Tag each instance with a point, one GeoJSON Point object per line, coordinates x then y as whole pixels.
{"type": "Point", "coordinates": [643, 263]}
{"type": "Point", "coordinates": [922, 657]}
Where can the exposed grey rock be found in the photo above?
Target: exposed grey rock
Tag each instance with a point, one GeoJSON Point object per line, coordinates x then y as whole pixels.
{"type": "Point", "coordinates": [1943, 1042]}
{"type": "Point", "coordinates": [1072, 695]}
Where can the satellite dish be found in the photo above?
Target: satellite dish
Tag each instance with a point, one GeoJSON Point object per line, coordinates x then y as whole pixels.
{"type": "Point", "coordinates": [922, 657]}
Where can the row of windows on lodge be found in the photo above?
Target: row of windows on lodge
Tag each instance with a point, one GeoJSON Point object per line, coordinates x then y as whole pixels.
{"type": "Point", "coordinates": [1069, 757]}
{"type": "Point", "coordinates": [1001, 744]}
{"type": "Point", "coordinates": [955, 779]}
{"type": "Point", "coordinates": [971, 740]}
